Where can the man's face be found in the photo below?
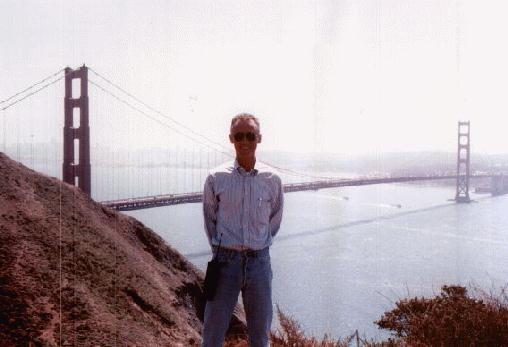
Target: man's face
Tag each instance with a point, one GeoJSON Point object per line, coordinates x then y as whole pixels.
{"type": "Point", "coordinates": [245, 136]}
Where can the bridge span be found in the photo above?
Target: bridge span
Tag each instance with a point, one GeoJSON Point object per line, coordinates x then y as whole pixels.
{"type": "Point", "coordinates": [185, 198]}
{"type": "Point", "coordinates": [76, 168]}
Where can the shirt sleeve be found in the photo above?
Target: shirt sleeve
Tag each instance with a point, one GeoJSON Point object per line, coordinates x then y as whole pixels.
{"type": "Point", "coordinates": [276, 215]}
{"type": "Point", "coordinates": [210, 209]}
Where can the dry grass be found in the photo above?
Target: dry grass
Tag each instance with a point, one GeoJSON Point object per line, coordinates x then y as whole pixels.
{"type": "Point", "coordinates": [452, 318]}
{"type": "Point", "coordinates": [291, 335]}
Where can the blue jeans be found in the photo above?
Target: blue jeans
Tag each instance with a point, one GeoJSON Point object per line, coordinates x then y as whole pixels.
{"type": "Point", "coordinates": [249, 272]}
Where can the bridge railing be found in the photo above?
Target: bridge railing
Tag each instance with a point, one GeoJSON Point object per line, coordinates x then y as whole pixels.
{"type": "Point", "coordinates": [174, 199]}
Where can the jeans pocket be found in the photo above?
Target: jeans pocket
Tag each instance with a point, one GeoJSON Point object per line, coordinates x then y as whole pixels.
{"type": "Point", "coordinates": [264, 267]}
{"type": "Point", "coordinates": [264, 258]}
{"type": "Point", "coordinates": [229, 268]}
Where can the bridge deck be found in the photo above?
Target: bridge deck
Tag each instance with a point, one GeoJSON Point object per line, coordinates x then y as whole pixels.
{"type": "Point", "coordinates": [174, 199]}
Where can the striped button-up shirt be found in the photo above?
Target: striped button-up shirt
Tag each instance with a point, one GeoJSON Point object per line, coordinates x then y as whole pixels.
{"type": "Point", "coordinates": [243, 208]}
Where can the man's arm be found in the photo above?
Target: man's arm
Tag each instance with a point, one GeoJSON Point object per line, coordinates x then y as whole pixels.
{"type": "Point", "coordinates": [276, 215]}
{"type": "Point", "coordinates": [210, 209]}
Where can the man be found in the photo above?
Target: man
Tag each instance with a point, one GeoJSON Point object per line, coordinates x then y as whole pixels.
{"type": "Point", "coordinates": [242, 207]}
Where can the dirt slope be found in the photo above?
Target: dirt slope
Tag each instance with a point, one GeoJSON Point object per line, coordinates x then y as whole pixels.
{"type": "Point", "coordinates": [75, 273]}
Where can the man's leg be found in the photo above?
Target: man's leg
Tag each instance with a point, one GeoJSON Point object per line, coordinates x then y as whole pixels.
{"type": "Point", "coordinates": [218, 311]}
{"type": "Point", "coordinates": [257, 300]}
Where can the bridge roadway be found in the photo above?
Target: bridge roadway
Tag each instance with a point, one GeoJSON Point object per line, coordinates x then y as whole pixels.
{"type": "Point", "coordinates": [185, 198]}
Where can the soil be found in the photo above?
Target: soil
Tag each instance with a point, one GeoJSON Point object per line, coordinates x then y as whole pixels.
{"type": "Point", "coordinates": [73, 272]}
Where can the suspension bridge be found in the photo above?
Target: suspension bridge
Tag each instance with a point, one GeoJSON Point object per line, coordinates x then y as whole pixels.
{"type": "Point", "coordinates": [76, 161]}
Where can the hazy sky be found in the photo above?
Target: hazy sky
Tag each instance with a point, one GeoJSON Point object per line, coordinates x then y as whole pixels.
{"type": "Point", "coordinates": [335, 76]}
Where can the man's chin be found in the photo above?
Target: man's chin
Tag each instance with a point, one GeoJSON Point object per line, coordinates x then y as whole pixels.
{"type": "Point", "coordinates": [245, 153]}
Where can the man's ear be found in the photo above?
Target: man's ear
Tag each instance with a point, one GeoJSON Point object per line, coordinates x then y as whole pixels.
{"type": "Point", "coordinates": [259, 138]}
{"type": "Point", "coordinates": [231, 139]}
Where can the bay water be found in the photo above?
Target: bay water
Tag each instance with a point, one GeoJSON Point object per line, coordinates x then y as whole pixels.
{"type": "Point", "coordinates": [343, 256]}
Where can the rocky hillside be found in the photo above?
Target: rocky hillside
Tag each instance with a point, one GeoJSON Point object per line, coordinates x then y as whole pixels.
{"type": "Point", "coordinates": [75, 273]}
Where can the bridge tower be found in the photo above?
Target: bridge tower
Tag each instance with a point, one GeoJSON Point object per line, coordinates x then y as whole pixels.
{"type": "Point", "coordinates": [463, 153]}
{"type": "Point", "coordinates": [76, 171]}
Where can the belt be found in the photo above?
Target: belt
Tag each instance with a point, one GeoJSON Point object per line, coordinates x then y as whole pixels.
{"type": "Point", "coordinates": [252, 253]}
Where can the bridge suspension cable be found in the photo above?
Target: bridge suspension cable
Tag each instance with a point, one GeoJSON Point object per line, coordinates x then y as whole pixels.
{"type": "Point", "coordinates": [33, 85]}
{"type": "Point", "coordinates": [128, 104]}
{"type": "Point", "coordinates": [30, 94]}
{"type": "Point", "coordinates": [153, 109]}
{"type": "Point", "coordinates": [223, 150]}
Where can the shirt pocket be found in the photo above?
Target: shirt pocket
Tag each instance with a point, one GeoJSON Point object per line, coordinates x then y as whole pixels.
{"type": "Point", "coordinates": [263, 204]}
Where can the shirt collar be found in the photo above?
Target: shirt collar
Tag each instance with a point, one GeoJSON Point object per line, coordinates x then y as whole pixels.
{"type": "Point", "coordinates": [240, 169]}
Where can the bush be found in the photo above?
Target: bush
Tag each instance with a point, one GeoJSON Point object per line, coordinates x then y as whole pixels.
{"type": "Point", "coordinates": [291, 335]}
{"type": "Point", "coordinates": [451, 319]}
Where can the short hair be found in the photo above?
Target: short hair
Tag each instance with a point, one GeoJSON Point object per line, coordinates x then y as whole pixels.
{"type": "Point", "coordinates": [244, 116]}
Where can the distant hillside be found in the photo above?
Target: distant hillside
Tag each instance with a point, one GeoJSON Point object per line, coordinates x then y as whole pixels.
{"type": "Point", "coordinates": [75, 273]}
{"type": "Point", "coordinates": [380, 162]}
{"type": "Point", "coordinates": [395, 163]}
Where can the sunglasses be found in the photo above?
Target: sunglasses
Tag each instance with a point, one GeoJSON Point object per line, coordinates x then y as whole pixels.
{"type": "Point", "coordinates": [251, 137]}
